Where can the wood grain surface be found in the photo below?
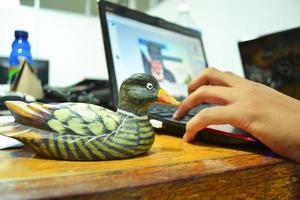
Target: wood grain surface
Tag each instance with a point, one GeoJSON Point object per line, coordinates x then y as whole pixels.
{"type": "Point", "coordinates": [172, 169]}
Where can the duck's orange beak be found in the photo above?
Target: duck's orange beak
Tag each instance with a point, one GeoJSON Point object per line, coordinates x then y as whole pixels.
{"type": "Point", "coordinates": [165, 97]}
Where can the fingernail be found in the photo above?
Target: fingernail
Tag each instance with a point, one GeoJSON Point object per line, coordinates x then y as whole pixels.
{"type": "Point", "coordinates": [175, 115]}
{"type": "Point", "coordinates": [185, 137]}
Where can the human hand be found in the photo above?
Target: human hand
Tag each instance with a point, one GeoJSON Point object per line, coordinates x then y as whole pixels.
{"type": "Point", "coordinates": [270, 116]}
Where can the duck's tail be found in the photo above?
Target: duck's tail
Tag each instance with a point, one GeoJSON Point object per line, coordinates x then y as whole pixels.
{"type": "Point", "coordinates": [29, 136]}
{"type": "Point", "coordinates": [22, 132]}
{"type": "Point", "coordinates": [32, 114]}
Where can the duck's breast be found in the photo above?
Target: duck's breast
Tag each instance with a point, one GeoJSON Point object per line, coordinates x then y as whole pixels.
{"type": "Point", "coordinates": [135, 136]}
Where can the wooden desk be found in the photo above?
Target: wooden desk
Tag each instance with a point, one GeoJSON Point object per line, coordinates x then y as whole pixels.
{"type": "Point", "coordinates": [172, 169]}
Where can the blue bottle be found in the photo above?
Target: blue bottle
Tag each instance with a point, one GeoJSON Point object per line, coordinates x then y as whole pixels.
{"type": "Point", "coordinates": [20, 48]}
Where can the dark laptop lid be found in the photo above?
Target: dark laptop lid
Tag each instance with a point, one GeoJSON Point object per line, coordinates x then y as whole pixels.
{"type": "Point", "coordinates": [274, 60]}
{"type": "Point", "coordinates": [139, 43]}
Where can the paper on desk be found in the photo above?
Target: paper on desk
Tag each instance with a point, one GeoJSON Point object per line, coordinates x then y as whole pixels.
{"type": "Point", "coordinates": [6, 142]}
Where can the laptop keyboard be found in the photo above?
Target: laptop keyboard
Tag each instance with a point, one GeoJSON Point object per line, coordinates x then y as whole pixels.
{"type": "Point", "coordinates": [165, 111]}
{"type": "Point", "coordinates": [227, 134]}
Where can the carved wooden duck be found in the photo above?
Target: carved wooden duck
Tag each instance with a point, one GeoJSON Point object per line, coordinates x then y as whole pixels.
{"type": "Point", "coordinates": [79, 131]}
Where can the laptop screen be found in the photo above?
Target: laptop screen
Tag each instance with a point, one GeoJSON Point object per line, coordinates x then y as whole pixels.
{"type": "Point", "coordinates": [140, 43]}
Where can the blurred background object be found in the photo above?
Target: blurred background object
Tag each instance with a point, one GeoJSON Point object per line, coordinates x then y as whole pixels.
{"type": "Point", "coordinates": [184, 17]}
{"type": "Point", "coordinates": [86, 91]}
{"type": "Point", "coordinates": [68, 33]}
{"type": "Point", "coordinates": [89, 7]}
{"type": "Point", "coordinates": [41, 66]}
{"type": "Point", "coordinates": [9, 3]}
{"type": "Point", "coordinates": [20, 50]}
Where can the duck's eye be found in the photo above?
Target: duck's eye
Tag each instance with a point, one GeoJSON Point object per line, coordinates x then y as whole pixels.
{"type": "Point", "coordinates": [149, 86]}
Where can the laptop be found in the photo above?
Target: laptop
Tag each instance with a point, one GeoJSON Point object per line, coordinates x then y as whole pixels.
{"type": "Point", "coordinates": [274, 60]}
{"type": "Point", "coordinates": [139, 43]}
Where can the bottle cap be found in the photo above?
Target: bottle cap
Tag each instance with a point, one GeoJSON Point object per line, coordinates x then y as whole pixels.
{"type": "Point", "coordinates": [183, 7]}
{"type": "Point", "coordinates": [23, 34]}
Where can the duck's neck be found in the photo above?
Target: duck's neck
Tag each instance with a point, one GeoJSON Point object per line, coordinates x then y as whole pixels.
{"type": "Point", "coordinates": [137, 110]}
{"type": "Point", "coordinates": [124, 112]}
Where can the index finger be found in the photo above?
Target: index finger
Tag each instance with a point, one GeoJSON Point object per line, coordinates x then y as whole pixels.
{"type": "Point", "coordinates": [212, 76]}
{"type": "Point", "coordinates": [206, 94]}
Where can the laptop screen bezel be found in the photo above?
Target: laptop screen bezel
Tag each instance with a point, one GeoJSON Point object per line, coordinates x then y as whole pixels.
{"type": "Point", "coordinates": [122, 11]}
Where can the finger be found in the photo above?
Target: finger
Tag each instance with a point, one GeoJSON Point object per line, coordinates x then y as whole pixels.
{"type": "Point", "coordinates": [212, 76]}
{"type": "Point", "coordinates": [205, 94]}
{"type": "Point", "coordinates": [209, 116]}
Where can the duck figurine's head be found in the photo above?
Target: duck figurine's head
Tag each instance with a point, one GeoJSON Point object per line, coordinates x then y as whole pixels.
{"type": "Point", "coordinates": [139, 91]}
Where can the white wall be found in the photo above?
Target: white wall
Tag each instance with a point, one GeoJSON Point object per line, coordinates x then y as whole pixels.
{"type": "Point", "coordinates": [72, 43]}
{"type": "Point", "coordinates": [224, 22]}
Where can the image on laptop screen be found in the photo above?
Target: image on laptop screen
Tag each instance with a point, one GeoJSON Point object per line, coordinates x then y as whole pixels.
{"type": "Point", "coordinates": [173, 58]}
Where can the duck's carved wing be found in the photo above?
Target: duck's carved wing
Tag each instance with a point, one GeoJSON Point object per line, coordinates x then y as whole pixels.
{"type": "Point", "coordinates": [66, 118]}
